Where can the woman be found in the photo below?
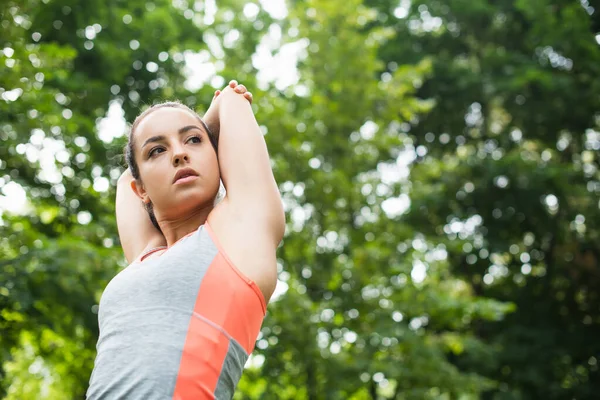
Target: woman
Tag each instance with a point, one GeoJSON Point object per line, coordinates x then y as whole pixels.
{"type": "Point", "coordinates": [181, 320]}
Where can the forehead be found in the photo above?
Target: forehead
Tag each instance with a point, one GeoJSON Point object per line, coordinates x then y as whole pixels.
{"type": "Point", "coordinates": [164, 121]}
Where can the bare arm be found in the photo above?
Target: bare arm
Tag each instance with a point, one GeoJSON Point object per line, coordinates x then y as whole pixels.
{"type": "Point", "coordinates": [136, 231]}
{"type": "Point", "coordinates": [250, 221]}
{"type": "Point", "coordinates": [245, 166]}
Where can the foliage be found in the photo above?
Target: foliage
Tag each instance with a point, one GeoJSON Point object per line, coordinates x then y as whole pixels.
{"type": "Point", "coordinates": [437, 160]}
{"type": "Point", "coordinates": [509, 176]}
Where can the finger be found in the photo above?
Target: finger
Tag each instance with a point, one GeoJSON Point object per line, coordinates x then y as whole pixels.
{"type": "Point", "coordinates": [241, 89]}
{"type": "Point", "coordinates": [233, 83]}
{"type": "Point", "coordinates": [248, 97]}
{"type": "Point", "coordinates": [217, 92]}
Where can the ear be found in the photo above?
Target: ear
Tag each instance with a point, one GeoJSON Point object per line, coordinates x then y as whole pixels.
{"type": "Point", "coordinates": [140, 191]}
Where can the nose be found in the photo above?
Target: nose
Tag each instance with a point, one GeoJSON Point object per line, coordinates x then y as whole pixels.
{"type": "Point", "coordinates": [180, 157]}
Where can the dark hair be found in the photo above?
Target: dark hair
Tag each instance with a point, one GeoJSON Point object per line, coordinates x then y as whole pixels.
{"type": "Point", "coordinates": [130, 153]}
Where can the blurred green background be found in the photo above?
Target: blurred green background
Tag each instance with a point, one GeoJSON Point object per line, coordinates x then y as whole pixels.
{"type": "Point", "coordinates": [438, 161]}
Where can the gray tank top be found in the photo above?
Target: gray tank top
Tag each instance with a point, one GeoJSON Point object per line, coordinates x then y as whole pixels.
{"type": "Point", "coordinates": [177, 326]}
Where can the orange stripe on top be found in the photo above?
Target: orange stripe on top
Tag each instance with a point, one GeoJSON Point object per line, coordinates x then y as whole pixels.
{"type": "Point", "coordinates": [201, 362]}
{"type": "Point", "coordinates": [230, 301]}
{"type": "Point", "coordinates": [249, 281]}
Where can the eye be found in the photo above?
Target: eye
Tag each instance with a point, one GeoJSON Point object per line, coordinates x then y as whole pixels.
{"type": "Point", "coordinates": [155, 151]}
{"type": "Point", "coordinates": [195, 139]}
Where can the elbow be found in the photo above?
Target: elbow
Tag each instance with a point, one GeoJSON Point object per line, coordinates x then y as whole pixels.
{"type": "Point", "coordinates": [281, 226]}
{"type": "Point", "coordinates": [278, 222]}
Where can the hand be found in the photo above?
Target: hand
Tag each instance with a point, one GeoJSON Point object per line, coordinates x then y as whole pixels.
{"type": "Point", "coordinates": [211, 118]}
{"type": "Point", "coordinates": [240, 89]}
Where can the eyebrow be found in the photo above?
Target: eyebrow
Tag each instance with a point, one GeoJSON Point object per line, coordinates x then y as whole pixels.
{"type": "Point", "coordinates": [181, 131]}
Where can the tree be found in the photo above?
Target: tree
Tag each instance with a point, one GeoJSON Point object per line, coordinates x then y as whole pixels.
{"type": "Point", "coordinates": [374, 293]}
{"type": "Point", "coordinates": [434, 173]}
{"type": "Point", "coordinates": [509, 175]}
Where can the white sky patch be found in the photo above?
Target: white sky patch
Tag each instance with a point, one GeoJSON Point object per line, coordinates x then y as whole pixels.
{"type": "Point", "coordinates": [8, 51]}
{"type": "Point", "coordinates": [350, 336]}
{"type": "Point", "coordinates": [113, 125]}
{"type": "Point", "coordinates": [437, 254]}
{"type": "Point", "coordinates": [12, 95]}
{"type": "Point", "coordinates": [400, 170]}
{"type": "Point", "coordinates": [277, 9]}
{"type": "Point", "coordinates": [84, 217]}
{"type": "Point", "coordinates": [280, 68]}
{"type": "Point", "coordinates": [214, 44]}
{"type": "Point", "coordinates": [47, 151]}
{"type": "Point", "coordinates": [231, 38]}
{"type": "Point", "coordinates": [298, 217]}
{"type": "Point", "coordinates": [368, 130]}
{"type": "Point", "coordinates": [210, 10]}
{"type": "Point", "coordinates": [255, 361]}
{"type": "Point", "coordinates": [592, 139]}
{"type": "Point", "coordinates": [396, 206]}
{"type": "Point", "coordinates": [392, 173]}
{"type": "Point", "coordinates": [52, 151]}
{"type": "Point", "coordinates": [251, 10]}
{"type": "Point", "coordinates": [101, 184]}
{"type": "Point", "coordinates": [280, 290]}
{"type": "Point", "coordinates": [14, 199]}
{"type": "Point", "coordinates": [200, 69]}
{"type": "Point", "coordinates": [402, 10]}
{"type": "Point", "coordinates": [419, 271]}
{"type": "Point", "coordinates": [465, 228]}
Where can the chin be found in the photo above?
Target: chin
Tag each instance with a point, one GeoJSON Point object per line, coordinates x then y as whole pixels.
{"type": "Point", "coordinates": [195, 199]}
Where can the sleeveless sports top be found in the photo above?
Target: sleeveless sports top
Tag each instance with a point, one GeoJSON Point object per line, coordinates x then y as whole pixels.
{"type": "Point", "coordinates": [178, 326]}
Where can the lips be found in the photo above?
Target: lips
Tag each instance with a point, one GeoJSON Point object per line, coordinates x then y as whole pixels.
{"type": "Point", "coordinates": [184, 173]}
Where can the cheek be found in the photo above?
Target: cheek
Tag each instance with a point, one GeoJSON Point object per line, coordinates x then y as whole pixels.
{"type": "Point", "coordinates": [212, 165]}
{"type": "Point", "coordinates": [154, 176]}
{"type": "Point", "coordinates": [207, 161]}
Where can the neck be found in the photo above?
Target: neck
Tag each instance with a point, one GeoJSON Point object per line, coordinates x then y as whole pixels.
{"type": "Point", "coordinates": [175, 229]}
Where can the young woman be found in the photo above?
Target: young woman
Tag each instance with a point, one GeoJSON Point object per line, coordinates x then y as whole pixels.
{"type": "Point", "coordinates": [181, 320]}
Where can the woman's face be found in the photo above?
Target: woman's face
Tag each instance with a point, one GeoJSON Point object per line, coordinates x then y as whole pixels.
{"type": "Point", "coordinates": [167, 142]}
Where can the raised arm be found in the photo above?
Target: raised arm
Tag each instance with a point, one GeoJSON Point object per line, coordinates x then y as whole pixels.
{"type": "Point", "coordinates": [245, 166]}
{"type": "Point", "coordinates": [136, 232]}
